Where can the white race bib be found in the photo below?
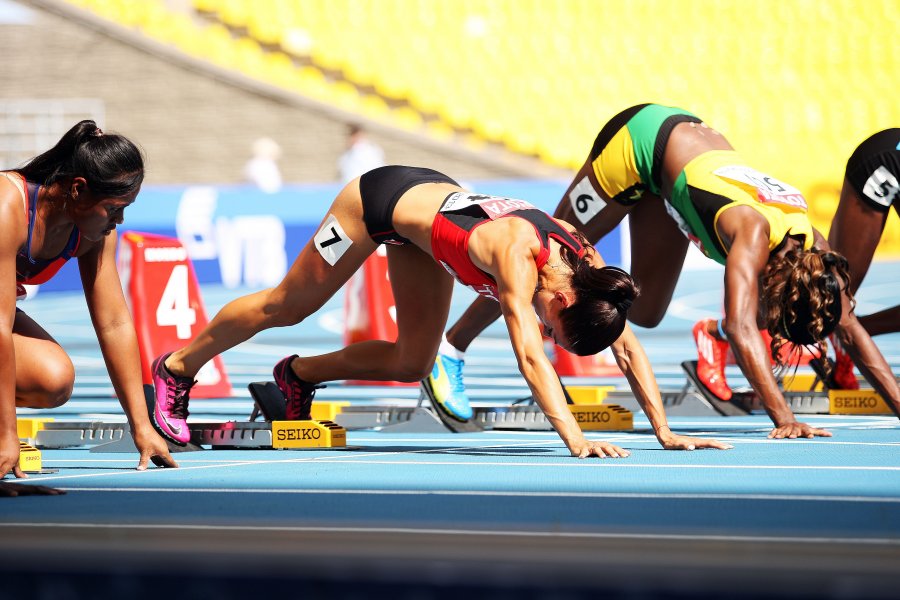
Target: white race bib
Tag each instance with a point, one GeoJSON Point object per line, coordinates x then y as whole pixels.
{"type": "Point", "coordinates": [493, 206]}
{"type": "Point", "coordinates": [768, 189]}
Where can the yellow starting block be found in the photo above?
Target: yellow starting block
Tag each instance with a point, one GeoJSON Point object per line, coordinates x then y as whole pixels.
{"type": "Point", "coordinates": [327, 411]}
{"type": "Point", "coordinates": [28, 428]}
{"type": "Point", "coordinates": [857, 402]}
{"type": "Point", "coordinates": [308, 434]}
{"type": "Point", "coordinates": [589, 394]}
{"type": "Point", "coordinates": [802, 382]}
{"type": "Point", "coordinates": [29, 458]}
{"type": "Point", "coordinates": [602, 417]}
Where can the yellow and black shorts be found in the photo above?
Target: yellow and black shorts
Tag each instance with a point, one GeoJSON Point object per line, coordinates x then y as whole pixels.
{"type": "Point", "coordinates": [627, 154]}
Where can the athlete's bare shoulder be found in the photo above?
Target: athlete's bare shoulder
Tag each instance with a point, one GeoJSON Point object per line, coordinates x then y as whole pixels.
{"type": "Point", "coordinates": [12, 210]}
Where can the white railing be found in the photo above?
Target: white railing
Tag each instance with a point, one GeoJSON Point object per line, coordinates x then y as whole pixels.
{"type": "Point", "coordinates": [29, 126]}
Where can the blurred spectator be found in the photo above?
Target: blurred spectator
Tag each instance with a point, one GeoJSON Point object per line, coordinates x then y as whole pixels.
{"type": "Point", "coordinates": [362, 155]}
{"type": "Point", "coordinates": [262, 170]}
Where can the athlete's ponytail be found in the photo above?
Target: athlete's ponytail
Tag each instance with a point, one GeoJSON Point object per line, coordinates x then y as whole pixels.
{"type": "Point", "coordinates": [602, 298]}
{"type": "Point", "coordinates": [111, 164]}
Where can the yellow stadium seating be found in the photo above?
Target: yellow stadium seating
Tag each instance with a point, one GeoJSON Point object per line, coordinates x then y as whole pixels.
{"type": "Point", "coordinates": [795, 85]}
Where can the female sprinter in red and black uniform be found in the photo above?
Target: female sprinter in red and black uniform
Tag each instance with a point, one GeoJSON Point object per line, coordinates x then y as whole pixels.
{"type": "Point", "coordinates": [66, 204]}
{"type": "Point", "coordinates": [544, 277]}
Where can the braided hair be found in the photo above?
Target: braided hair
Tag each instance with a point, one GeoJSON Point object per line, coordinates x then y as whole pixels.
{"type": "Point", "coordinates": [802, 293]}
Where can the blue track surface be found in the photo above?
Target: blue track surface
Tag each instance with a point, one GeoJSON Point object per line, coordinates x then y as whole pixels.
{"type": "Point", "coordinates": [827, 493]}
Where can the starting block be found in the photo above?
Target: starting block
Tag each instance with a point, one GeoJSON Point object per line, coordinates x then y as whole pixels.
{"type": "Point", "coordinates": [268, 399]}
{"type": "Point", "coordinates": [834, 402]}
{"type": "Point", "coordinates": [602, 417]}
{"type": "Point", "coordinates": [308, 434]}
{"type": "Point", "coordinates": [802, 382]}
{"type": "Point", "coordinates": [598, 417]}
{"type": "Point", "coordinates": [857, 402]}
{"type": "Point", "coordinates": [28, 428]}
{"type": "Point", "coordinates": [116, 437]}
{"type": "Point", "coordinates": [588, 394]}
{"type": "Point", "coordinates": [29, 458]}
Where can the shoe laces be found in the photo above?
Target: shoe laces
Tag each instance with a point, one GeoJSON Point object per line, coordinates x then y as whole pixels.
{"type": "Point", "coordinates": [178, 396]}
{"type": "Point", "coordinates": [299, 389]}
{"type": "Point", "coordinates": [454, 374]}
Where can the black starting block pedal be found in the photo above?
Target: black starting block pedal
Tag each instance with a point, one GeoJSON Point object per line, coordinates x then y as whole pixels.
{"type": "Point", "coordinates": [733, 408]}
{"type": "Point", "coordinates": [268, 401]}
{"type": "Point", "coordinates": [449, 421]}
{"type": "Point", "coordinates": [150, 398]}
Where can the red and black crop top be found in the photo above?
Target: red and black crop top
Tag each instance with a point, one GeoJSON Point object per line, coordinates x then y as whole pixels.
{"type": "Point", "coordinates": [461, 213]}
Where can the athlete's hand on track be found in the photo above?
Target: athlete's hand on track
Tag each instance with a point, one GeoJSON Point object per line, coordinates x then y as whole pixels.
{"type": "Point", "coordinates": [9, 454]}
{"type": "Point", "coordinates": [795, 430]}
{"type": "Point", "coordinates": [153, 447]}
{"type": "Point", "coordinates": [11, 490]}
{"type": "Point", "coordinates": [601, 449]}
{"type": "Point", "coordinates": [683, 442]}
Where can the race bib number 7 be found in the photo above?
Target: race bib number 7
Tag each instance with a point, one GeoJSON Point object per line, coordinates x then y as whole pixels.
{"type": "Point", "coordinates": [768, 189]}
{"type": "Point", "coordinates": [332, 241]}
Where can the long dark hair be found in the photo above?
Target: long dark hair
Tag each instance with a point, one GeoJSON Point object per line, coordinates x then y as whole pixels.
{"type": "Point", "coordinates": [111, 164]}
{"type": "Point", "coordinates": [802, 297]}
{"type": "Point", "coordinates": [602, 298]}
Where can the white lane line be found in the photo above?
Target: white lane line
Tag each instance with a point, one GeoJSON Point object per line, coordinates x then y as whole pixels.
{"type": "Point", "coordinates": [472, 532]}
{"type": "Point", "coordinates": [318, 459]}
{"type": "Point", "coordinates": [579, 464]}
{"type": "Point", "coordinates": [502, 493]}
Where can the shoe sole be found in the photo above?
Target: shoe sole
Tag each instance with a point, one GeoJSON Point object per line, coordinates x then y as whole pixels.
{"type": "Point", "coordinates": [730, 408]}
{"type": "Point", "coordinates": [449, 421]}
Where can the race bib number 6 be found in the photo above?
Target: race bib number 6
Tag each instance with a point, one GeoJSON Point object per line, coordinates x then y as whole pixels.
{"type": "Point", "coordinates": [585, 201]}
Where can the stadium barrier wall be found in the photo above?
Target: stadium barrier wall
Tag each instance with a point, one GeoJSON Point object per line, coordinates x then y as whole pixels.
{"type": "Point", "coordinates": [239, 236]}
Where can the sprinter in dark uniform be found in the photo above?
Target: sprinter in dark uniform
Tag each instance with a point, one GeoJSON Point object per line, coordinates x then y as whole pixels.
{"type": "Point", "coordinates": [63, 204]}
{"type": "Point", "coordinates": [680, 181]}
{"type": "Point", "coordinates": [871, 187]}
{"type": "Point", "coordinates": [541, 275]}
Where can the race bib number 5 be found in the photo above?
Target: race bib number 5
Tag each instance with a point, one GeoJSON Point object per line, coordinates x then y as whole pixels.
{"type": "Point", "coordinates": [768, 189]}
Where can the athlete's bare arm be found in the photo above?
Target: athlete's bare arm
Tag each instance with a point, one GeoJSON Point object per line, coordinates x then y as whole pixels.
{"type": "Point", "coordinates": [118, 343]}
{"type": "Point", "coordinates": [746, 261]}
{"type": "Point", "coordinates": [633, 362]}
{"type": "Point", "coordinates": [12, 236]}
{"type": "Point", "coordinates": [859, 345]}
{"type": "Point", "coordinates": [513, 268]}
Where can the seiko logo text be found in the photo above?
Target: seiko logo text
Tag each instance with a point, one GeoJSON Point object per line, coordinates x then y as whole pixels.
{"type": "Point", "coordinates": [856, 402]}
{"type": "Point", "coordinates": [298, 434]}
{"type": "Point", "coordinates": [592, 417]}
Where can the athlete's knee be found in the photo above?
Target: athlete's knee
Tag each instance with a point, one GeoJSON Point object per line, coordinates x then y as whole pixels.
{"type": "Point", "coordinates": [54, 388]}
{"type": "Point", "coordinates": [410, 369]}
{"type": "Point", "coordinates": [280, 312]}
